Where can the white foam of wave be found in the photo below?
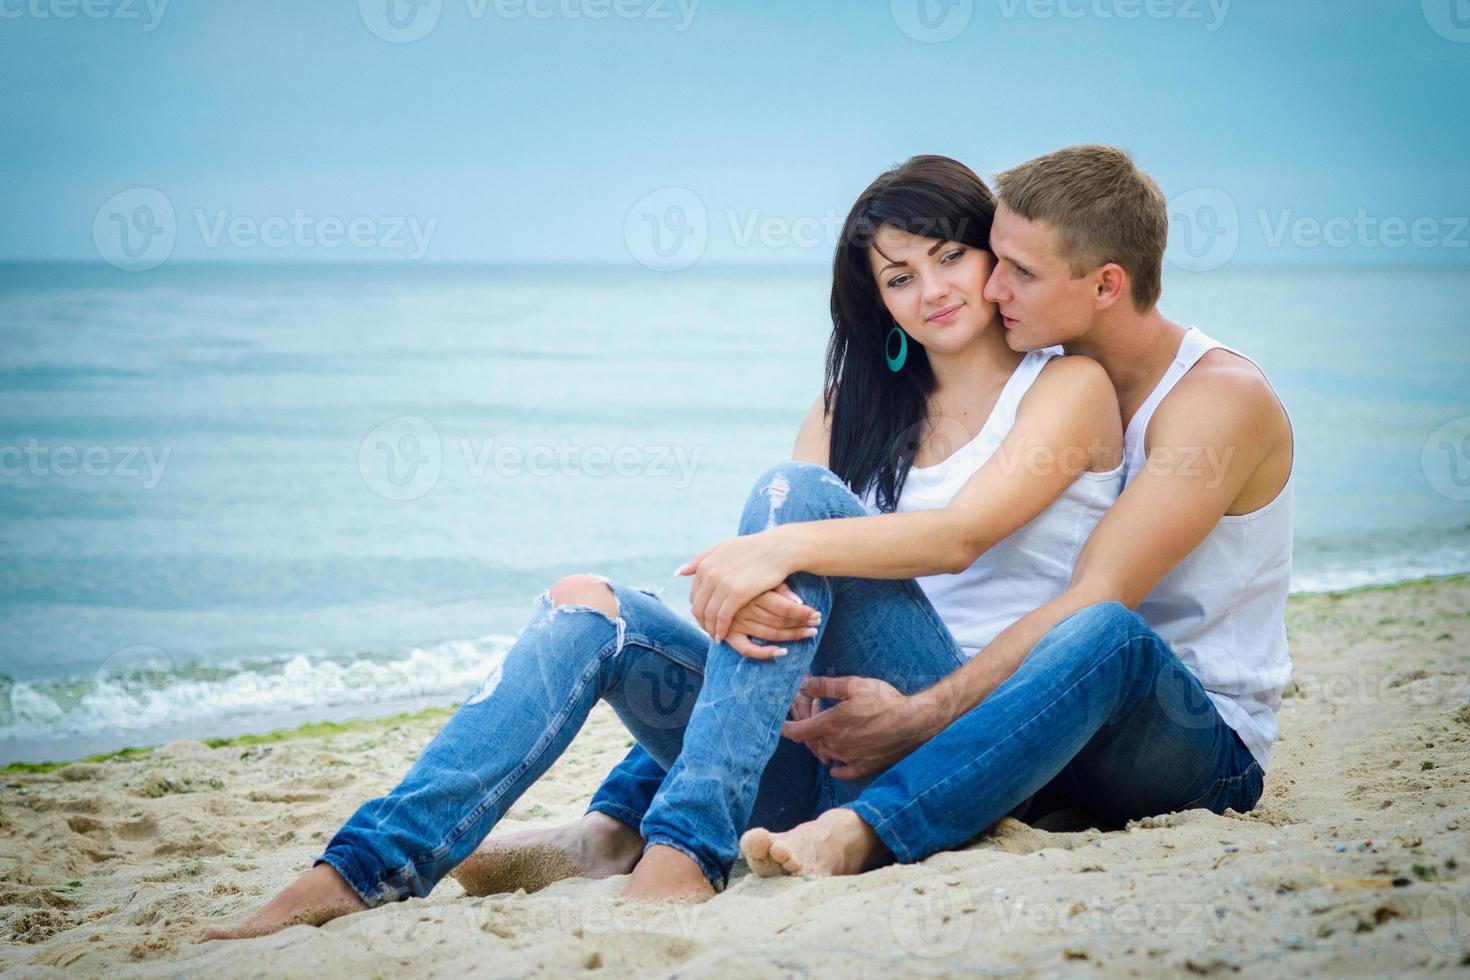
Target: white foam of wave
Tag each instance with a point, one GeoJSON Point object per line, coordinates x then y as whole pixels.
{"type": "Point", "coordinates": [141, 688]}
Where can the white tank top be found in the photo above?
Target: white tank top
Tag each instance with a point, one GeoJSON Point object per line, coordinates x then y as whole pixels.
{"type": "Point", "coordinates": [1030, 567]}
{"type": "Point", "coordinates": [1222, 609]}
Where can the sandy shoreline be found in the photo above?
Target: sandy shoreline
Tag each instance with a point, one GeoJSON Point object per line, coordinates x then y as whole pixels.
{"type": "Point", "coordinates": [1354, 862]}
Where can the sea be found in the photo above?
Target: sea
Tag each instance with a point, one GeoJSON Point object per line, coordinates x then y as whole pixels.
{"type": "Point", "coordinates": [238, 498]}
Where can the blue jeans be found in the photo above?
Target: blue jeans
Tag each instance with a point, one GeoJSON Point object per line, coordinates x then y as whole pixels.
{"type": "Point", "coordinates": [698, 710]}
{"type": "Point", "coordinates": [1101, 717]}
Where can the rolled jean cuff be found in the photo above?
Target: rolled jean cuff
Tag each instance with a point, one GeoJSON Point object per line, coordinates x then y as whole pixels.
{"type": "Point", "coordinates": [714, 876]}
{"type": "Point", "coordinates": [371, 893]}
{"type": "Point", "coordinates": [619, 813]}
{"type": "Point", "coordinates": [886, 833]}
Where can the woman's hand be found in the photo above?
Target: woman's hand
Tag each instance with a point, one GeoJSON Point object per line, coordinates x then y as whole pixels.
{"type": "Point", "coordinates": [778, 616]}
{"type": "Point", "coordinates": [732, 573]}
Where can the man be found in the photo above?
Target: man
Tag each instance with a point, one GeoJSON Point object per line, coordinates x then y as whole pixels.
{"type": "Point", "coordinates": [1081, 703]}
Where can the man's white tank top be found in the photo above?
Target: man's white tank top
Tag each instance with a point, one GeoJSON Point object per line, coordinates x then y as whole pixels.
{"type": "Point", "coordinates": [1031, 566]}
{"type": "Point", "coordinates": [1222, 609]}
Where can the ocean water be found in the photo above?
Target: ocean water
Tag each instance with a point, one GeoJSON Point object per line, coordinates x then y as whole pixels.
{"type": "Point", "coordinates": [237, 498]}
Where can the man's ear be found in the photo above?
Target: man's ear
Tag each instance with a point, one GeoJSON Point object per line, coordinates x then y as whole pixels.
{"type": "Point", "coordinates": [1109, 286]}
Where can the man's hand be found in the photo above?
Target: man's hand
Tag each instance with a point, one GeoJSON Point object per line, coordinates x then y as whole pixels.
{"type": "Point", "coordinates": [871, 727]}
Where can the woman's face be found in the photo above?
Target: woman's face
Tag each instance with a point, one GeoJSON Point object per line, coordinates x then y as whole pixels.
{"type": "Point", "coordinates": [933, 289]}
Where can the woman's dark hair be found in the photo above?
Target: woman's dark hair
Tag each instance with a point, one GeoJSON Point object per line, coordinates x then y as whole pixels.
{"type": "Point", "coordinates": [878, 415]}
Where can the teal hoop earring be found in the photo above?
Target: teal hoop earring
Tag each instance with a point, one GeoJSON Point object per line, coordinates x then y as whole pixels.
{"type": "Point", "coordinates": [895, 362]}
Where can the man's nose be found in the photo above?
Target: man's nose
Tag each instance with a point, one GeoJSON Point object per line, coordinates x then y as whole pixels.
{"type": "Point", "coordinates": [995, 290]}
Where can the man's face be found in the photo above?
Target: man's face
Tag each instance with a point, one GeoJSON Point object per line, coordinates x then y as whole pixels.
{"type": "Point", "coordinates": [1041, 304]}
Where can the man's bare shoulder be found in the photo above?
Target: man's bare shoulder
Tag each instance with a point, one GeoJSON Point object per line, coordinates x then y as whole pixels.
{"type": "Point", "coordinates": [1223, 391]}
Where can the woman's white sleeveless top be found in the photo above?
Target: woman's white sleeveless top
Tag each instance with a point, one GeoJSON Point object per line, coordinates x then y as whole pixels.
{"type": "Point", "coordinates": [1030, 567]}
{"type": "Point", "coordinates": [1222, 609]}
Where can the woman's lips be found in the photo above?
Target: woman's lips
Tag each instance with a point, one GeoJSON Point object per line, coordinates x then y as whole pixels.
{"type": "Point", "coordinates": [945, 315]}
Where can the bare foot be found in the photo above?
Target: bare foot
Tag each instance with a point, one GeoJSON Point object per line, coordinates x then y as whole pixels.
{"type": "Point", "coordinates": [597, 846]}
{"type": "Point", "coordinates": [667, 873]}
{"type": "Point", "coordinates": [318, 896]}
{"type": "Point", "coordinates": [838, 842]}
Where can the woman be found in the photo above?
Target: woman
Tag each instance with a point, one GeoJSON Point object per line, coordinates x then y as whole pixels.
{"type": "Point", "coordinates": [941, 488]}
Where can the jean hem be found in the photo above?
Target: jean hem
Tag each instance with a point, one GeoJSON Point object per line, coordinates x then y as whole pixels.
{"type": "Point", "coordinates": [349, 873]}
{"type": "Point", "coordinates": [619, 813]}
{"type": "Point", "coordinates": [869, 814]}
{"type": "Point", "coordinates": [715, 878]}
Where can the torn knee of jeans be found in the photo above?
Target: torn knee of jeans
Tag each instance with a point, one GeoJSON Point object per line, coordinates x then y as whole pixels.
{"type": "Point", "coordinates": [776, 493]}
{"type": "Point", "coordinates": [554, 608]}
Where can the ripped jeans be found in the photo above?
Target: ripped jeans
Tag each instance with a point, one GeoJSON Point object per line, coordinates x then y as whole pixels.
{"type": "Point", "coordinates": [701, 712]}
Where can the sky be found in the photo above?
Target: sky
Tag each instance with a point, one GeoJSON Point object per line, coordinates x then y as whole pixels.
{"type": "Point", "coordinates": [724, 130]}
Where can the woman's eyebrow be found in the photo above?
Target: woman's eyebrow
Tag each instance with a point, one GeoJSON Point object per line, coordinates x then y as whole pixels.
{"type": "Point", "coordinates": [894, 262]}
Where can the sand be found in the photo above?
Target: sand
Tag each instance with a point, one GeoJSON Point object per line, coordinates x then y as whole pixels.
{"type": "Point", "coordinates": [1356, 860]}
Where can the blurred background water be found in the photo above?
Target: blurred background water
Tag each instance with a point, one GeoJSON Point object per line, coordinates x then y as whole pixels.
{"type": "Point", "coordinates": [238, 497]}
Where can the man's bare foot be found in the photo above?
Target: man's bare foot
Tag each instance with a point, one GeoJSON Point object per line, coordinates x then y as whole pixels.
{"type": "Point", "coordinates": [839, 842]}
{"type": "Point", "coordinates": [318, 896]}
{"type": "Point", "coordinates": [597, 846]}
{"type": "Point", "coordinates": [667, 873]}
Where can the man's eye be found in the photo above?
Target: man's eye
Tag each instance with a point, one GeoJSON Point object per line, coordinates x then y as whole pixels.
{"type": "Point", "coordinates": [1023, 272]}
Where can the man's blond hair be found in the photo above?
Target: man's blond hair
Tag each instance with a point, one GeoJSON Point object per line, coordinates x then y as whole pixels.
{"type": "Point", "coordinates": [1103, 208]}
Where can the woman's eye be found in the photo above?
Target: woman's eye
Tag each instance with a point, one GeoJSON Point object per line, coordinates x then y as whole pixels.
{"type": "Point", "coordinates": [897, 281]}
{"type": "Point", "coordinates": [953, 256]}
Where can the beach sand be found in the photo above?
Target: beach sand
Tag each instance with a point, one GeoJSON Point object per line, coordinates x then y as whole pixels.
{"type": "Point", "coordinates": [1356, 860]}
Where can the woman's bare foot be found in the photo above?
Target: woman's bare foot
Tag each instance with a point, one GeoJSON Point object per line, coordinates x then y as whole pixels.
{"type": "Point", "coordinates": [318, 896]}
{"type": "Point", "coordinates": [597, 846]}
{"type": "Point", "coordinates": [667, 873]}
{"type": "Point", "coordinates": [838, 842]}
